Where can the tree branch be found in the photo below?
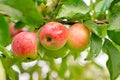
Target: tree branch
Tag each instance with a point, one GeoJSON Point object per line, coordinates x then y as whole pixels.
{"type": "Point", "coordinates": [97, 22]}
{"type": "Point", "coordinates": [102, 22]}
{"type": "Point", "coordinates": [56, 5]}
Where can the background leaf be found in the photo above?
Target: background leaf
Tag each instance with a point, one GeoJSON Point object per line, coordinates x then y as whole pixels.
{"type": "Point", "coordinates": [23, 10]}
{"type": "Point", "coordinates": [4, 32]}
{"type": "Point", "coordinates": [63, 68]}
{"type": "Point", "coordinates": [2, 71]}
{"type": "Point", "coordinates": [113, 64]}
{"type": "Point", "coordinates": [102, 6]}
{"type": "Point", "coordinates": [113, 3]}
{"type": "Point", "coordinates": [11, 74]}
{"type": "Point", "coordinates": [114, 19]}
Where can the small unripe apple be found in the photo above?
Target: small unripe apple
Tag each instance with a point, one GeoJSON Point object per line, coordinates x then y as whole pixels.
{"type": "Point", "coordinates": [24, 44]}
{"type": "Point", "coordinates": [53, 35]}
{"type": "Point", "coordinates": [78, 37]}
{"type": "Point", "coordinates": [13, 31]}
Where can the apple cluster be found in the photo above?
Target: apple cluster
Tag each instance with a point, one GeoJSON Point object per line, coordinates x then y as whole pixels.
{"type": "Point", "coordinates": [54, 38]}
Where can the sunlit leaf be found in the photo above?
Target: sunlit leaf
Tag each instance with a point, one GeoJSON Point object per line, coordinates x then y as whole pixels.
{"type": "Point", "coordinates": [70, 8]}
{"type": "Point", "coordinates": [102, 6]}
{"type": "Point", "coordinates": [23, 10]}
{"type": "Point", "coordinates": [5, 51]}
{"type": "Point", "coordinates": [2, 71]}
{"type": "Point", "coordinates": [93, 27]}
{"type": "Point", "coordinates": [114, 19]}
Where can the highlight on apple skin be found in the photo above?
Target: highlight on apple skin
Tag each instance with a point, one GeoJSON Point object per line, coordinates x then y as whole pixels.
{"type": "Point", "coordinates": [24, 45]}
{"type": "Point", "coordinates": [78, 37]}
{"type": "Point", "coordinates": [53, 35]}
{"type": "Point", "coordinates": [13, 31]}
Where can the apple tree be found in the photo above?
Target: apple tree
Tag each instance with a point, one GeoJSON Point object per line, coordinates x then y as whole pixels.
{"type": "Point", "coordinates": [44, 31]}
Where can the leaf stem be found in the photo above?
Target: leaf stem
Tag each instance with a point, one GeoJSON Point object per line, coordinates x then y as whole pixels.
{"type": "Point", "coordinates": [5, 51]}
{"type": "Point", "coordinates": [53, 12]}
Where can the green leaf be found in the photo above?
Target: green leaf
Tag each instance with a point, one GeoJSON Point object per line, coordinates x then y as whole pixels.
{"type": "Point", "coordinates": [5, 51]}
{"type": "Point", "coordinates": [114, 36]}
{"type": "Point", "coordinates": [95, 47]}
{"type": "Point", "coordinates": [19, 25]}
{"type": "Point", "coordinates": [63, 68]}
{"type": "Point", "coordinates": [114, 19]}
{"type": "Point", "coordinates": [70, 8]}
{"type": "Point", "coordinates": [4, 32]}
{"type": "Point", "coordinates": [113, 3]}
{"type": "Point", "coordinates": [113, 63]}
{"type": "Point", "coordinates": [23, 10]}
{"type": "Point", "coordinates": [102, 6]}
{"type": "Point", "coordinates": [58, 53]}
{"type": "Point", "coordinates": [93, 27]}
{"type": "Point", "coordinates": [104, 30]}
{"type": "Point", "coordinates": [41, 1]}
{"type": "Point", "coordinates": [10, 73]}
{"type": "Point", "coordinates": [75, 53]}
{"type": "Point", "coordinates": [2, 71]}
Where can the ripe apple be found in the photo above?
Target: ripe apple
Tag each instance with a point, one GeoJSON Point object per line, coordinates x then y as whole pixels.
{"type": "Point", "coordinates": [53, 35]}
{"type": "Point", "coordinates": [13, 31]}
{"type": "Point", "coordinates": [78, 37]}
{"type": "Point", "coordinates": [24, 44]}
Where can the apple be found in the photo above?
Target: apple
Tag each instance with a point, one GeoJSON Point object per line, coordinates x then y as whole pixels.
{"type": "Point", "coordinates": [78, 37]}
{"type": "Point", "coordinates": [53, 35]}
{"type": "Point", "coordinates": [13, 31]}
{"type": "Point", "coordinates": [24, 44]}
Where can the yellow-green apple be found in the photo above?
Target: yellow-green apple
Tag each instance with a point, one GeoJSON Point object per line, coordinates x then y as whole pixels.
{"type": "Point", "coordinates": [24, 44]}
{"type": "Point", "coordinates": [53, 35]}
{"type": "Point", "coordinates": [78, 37]}
{"type": "Point", "coordinates": [13, 31]}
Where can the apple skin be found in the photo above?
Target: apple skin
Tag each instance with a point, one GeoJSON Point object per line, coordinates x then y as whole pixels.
{"type": "Point", "coordinates": [78, 37]}
{"type": "Point", "coordinates": [53, 35]}
{"type": "Point", "coordinates": [24, 44]}
{"type": "Point", "coordinates": [13, 31]}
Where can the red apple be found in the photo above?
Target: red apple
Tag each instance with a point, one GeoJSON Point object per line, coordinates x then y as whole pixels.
{"type": "Point", "coordinates": [53, 35]}
{"type": "Point", "coordinates": [78, 37]}
{"type": "Point", "coordinates": [24, 44]}
{"type": "Point", "coordinates": [13, 31]}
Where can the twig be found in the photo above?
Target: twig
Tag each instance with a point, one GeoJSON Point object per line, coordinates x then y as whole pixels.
{"type": "Point", "coordinates": [97, 22]}
{"type": "Point", "coordinates": [53, 12]}
{"type": "Point", "coordinates": [101, 22]}
{"type": "Point", "coordinates": [3, 13]}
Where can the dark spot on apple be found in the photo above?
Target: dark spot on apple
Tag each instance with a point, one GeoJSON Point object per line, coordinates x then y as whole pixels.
{"type": "Point", "coordinates": [49, 39]}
